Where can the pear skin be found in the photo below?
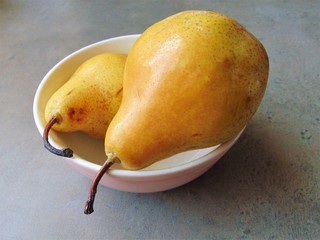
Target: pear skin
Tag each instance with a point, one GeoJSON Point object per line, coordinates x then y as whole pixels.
{"type": "Point", "coordinates": [89, 100]}
{"type": "Point", "coordinates": [192, 80]}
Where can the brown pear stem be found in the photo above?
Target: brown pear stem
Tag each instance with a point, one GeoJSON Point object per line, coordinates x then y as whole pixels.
{"type": "Point", "coordinates": [66, 152]}
{"type": "Point", "coordinates": [88, 209]}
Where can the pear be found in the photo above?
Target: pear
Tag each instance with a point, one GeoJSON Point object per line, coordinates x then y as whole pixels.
{"type": "Point", "coordinates": [88, 101]}
{"type": "Point", "coordinates": [192, 80]}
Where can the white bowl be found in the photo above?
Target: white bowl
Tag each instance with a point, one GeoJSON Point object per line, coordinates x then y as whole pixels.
{"type": "Point", "coordinates": [89, 153]}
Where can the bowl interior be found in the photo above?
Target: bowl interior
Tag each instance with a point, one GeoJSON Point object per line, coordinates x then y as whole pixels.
{"type": "Point", "coordinates": [89, 152]}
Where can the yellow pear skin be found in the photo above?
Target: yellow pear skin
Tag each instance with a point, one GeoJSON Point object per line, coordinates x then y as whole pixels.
{"type": "Point", "coordinates": [192, 80]}
{"type": "Point", "coordinates": [90, 98]}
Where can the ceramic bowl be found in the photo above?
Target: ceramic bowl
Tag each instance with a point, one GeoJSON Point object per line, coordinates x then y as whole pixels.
{"type": "Point", "coordinates": [89, 153]}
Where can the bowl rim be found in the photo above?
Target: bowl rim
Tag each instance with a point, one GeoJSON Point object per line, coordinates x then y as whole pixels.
{"type": "Point", "coordinates": [175, 170]}
{"type": "Point", "coordinates": [123, 173]}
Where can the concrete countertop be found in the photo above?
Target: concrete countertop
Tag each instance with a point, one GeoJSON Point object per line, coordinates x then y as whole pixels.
{"type": "Point", "coordinates": [266, 187]}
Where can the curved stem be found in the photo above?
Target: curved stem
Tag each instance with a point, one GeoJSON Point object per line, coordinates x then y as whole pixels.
{"type": "Point", "coordinates": [66, 152]}
{"type": "Point", "coordinates": [88, 209]}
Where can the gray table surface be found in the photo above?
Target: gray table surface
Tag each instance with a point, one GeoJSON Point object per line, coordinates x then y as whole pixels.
{"type": "Point", "coordinates": [266, 187]}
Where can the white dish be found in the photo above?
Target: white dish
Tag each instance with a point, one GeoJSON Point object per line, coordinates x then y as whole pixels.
{"type": "Point", "coordinates": [89, 153]}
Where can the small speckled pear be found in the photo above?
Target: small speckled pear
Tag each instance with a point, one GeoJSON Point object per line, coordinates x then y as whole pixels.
{"type": "Point", "coordinates": [89, 100]}
{"type": "Point", "coordinates": [192, 80]}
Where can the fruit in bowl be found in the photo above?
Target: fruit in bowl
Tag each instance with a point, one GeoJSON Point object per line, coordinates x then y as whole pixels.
{"type": "Point", "coordinates": [191, 82]}
{"type": "Point", "coordinates": [88, 101]}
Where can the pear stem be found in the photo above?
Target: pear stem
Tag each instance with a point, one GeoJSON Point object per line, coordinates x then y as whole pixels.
{"type": "Point", "coordinates": [66, 152]}
{"type": "Point", "coordinates": [88, 209]}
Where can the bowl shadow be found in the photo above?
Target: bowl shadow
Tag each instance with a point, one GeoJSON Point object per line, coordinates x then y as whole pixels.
{"type": "Point", "coordinates": [262, 182]}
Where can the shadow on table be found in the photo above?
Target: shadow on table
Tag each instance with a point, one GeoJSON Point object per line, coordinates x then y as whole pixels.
{"type": "Point", "coordinates": [265, 180]}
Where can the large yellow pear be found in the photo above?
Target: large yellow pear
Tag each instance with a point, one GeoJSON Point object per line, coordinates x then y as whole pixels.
{"type": "Point", "coordinates": [192, 80]}
{"type": "Point", "coordinates": [88, 101]}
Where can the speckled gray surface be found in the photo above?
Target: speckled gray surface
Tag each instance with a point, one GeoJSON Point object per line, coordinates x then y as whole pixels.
{"type": "Point", "coordinates": [266, 187]}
